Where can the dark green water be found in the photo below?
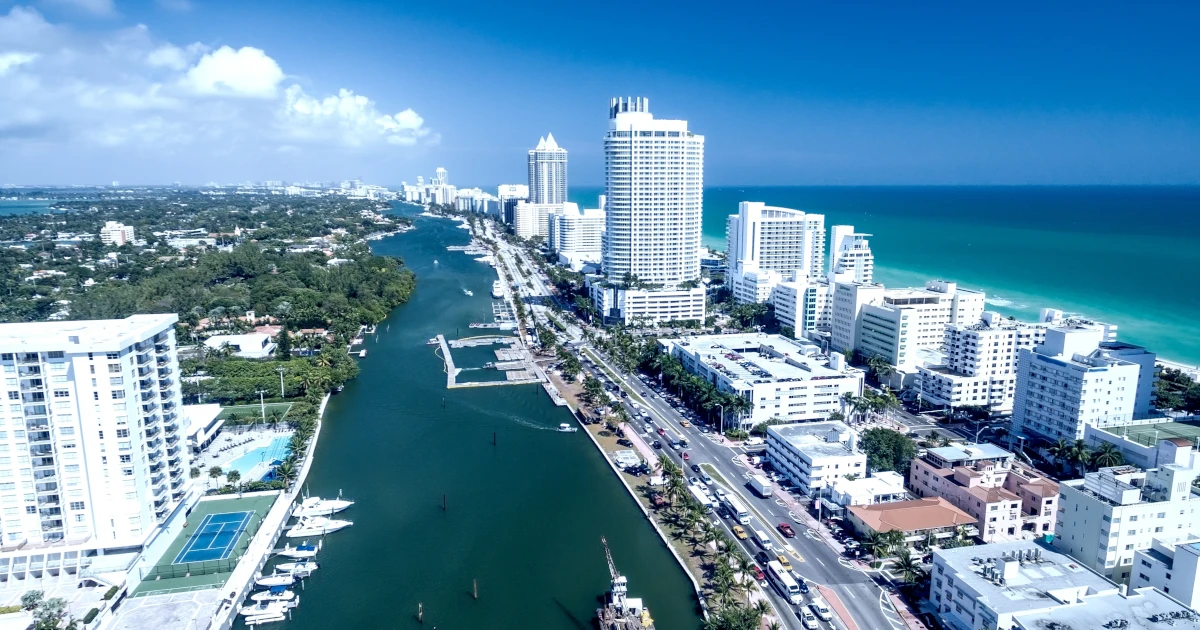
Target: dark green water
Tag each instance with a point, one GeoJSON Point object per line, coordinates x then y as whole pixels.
{"type": "Point", "coordinates": [525, 517]}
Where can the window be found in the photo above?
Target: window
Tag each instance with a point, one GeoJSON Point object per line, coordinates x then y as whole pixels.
{"type": "Point", "coordinates": [31, 509]}
{"type": "Point", "coordinates": [112, 355]}
{"type": "Point", "coordinates": [101, 434]}
{"type": "Point", "coordinates": [62, 393]}
{"type": "Point", "coordinates": [122, 433]}
{"type": "Point", "coordinates": [77, 505]}
{"type": "Point", "coordinates": [126, 459]}
{"type": "Point", "coordinates": [114, 368]}
{"type": "Point", "coordinates": [118, 394]}
{"type": "Point", "coordinates": [55, 354]}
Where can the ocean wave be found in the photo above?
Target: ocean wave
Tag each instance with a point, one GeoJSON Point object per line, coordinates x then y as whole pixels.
{"type": "Point", "coordinates": [997, 301]}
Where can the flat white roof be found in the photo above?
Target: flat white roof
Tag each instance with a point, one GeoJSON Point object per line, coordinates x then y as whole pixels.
{"type": "Point", "coordinates": [740, 358]}
{"type": "Point", "coordinates": [816, 439]}
{"type": "Point", "coordinates": [83, 335]}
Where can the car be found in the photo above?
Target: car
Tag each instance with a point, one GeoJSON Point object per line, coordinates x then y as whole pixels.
{"type": "Point", "coordinates": [657, 444]}
{"type": "Point", "coordinates": [809, 620]}
{"type": "Point", "coordinates": [758, 574]}
{"type": "Point", "coordinates": [625, 443]}
{"type": "Point", "coordinates": [649, 428]}
{"type": "Point", "coordinates": [695, 467]}
{"type": "Point", "coordinates": [708, 481]}
{"type": "Point", "coordinates": [662, 431]}
{"type": "Point", "coordinates": [801, 582]}
{"type": "Point", "coordinates": [686, 456]}
{"type": "Point", "coordinates": [787, 530]}
{"type": "Point", "coordinates": [784, 562]}
{"type": "Point", "coordinates": [762, 557]}
{"type": "Point", "coordinates": [693, 481]}
{"type": "Point", "coordinates": [740, 532]}
{"type": "Point", "coordinates": [720, 493]}
{"type": "Point", "coordinates": [684, 423]}
{"type": "Point", "coordinates": [821, 610]}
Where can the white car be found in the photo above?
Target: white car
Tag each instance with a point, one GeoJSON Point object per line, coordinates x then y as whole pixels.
{"type": "Point", "coordinates": [821, 610]}
{"type": "Point", "coordinates": [808, 620]}
{"type": "Point", "coordinates": [720, 493]}
{"type": "Point", "coordinates": [708, 481]}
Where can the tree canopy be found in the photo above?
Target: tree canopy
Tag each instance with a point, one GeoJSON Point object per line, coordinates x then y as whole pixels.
{"type": "Point", "coordinates": [888, 450]}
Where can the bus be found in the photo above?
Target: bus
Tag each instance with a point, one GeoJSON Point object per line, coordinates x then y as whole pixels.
{"type": "Point", "coordinates": [701, 497]}
{"type": "Point", "coordinates": [739, 511]}
{"type": "Point", "coordinates": [784, 582]}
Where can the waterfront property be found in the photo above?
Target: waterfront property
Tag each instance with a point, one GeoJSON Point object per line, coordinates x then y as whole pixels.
{"type": "Point", "coordinates": [784, 378]}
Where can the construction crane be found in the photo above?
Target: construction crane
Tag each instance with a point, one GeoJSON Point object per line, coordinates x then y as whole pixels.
{"type": "Point", "coordinates": [612, 566]}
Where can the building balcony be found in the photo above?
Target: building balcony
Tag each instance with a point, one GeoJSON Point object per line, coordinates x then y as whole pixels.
{"type": "Point", "coordinates": [162, 348]}
{"type": "Point", "coordinates": [38, 424]}
{"type": "Point", "coordinates": [156, 467]}
{"type": "Point", "coordinates": [149, 396]}
{"type": "Point", "coordinates": [47, 487]}
{"type": "Point", "coordinates": [39, 438]}
{"type": "Point", "coordinates": [28, 358]}
{"type": "Point", "coordinates": [42, 450]}
{"type": "Point", "coordinates": [48, 501]}
{"type": "Point", "coordinates": [154, 455]}
{"type": "Point", "coordinates": [165, 385]}
{"type": "Point", "coordinates": [176, 484]}
{"type": "Point", "coordinates": [174, 460]}
{"type": "Point", "coordinates": [163, 363]}
{"type": "Point", "coordinates": [168, 405]}
{"type": "Point", "coordinates": [175, 473]}
{"type": "Point", "coordinates": [143, 346]}
{"type": "Point", "coordinates": [149, 408]}
{"type": "Point", "coordinates": [143, 359]}
{"type": "Point", "coordinates": [160, 491]}
{"type": "Point", "coordinates": [45, 475]}
{"type": "Point", "coordinates": [152, 431]}
{"type": "Point", "coordinates": [49, 511]}
{"type": "Point", "coordinates": [164, 369]}
{"type": "Point", "coordinates": [171, 440]}
{"type": "Point", "coordinates": [33, 385]}
{"type": "Point", "coordinates": [150, 420]}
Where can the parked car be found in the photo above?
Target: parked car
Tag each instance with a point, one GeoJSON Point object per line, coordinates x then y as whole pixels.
{"type": "Point", "coordinates": [657, 499]}
{"type": "Point", "coordinates": [787, 530]}
{"type": "Point", "coordinates": [625, 443]}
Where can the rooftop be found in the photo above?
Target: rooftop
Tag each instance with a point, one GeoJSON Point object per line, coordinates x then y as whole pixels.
{"type": "Point", "coordinates": [83, 335]}
{"type": "Point", "coordinates": [970, 452]}
{"type": "Point", "coordinates": [816, 439]}
{"type": "Point", "coordinates": [755, 358]}
{"type": "Point", "coordinates": [1021, 576]}
{"type": "Point", "coordinates": [1143, 609]}
{"type": "Point", "coordinates": [911, 516]}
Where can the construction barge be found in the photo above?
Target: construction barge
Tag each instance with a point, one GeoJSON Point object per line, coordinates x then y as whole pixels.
{"type": "Point", "coordinates": [620, 611]}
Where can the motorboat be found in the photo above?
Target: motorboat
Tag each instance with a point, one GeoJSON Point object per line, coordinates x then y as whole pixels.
{"type": "Point", "coordinates": [299, 552]}
{"type": "Point", "coordinates": [275, 594]}
{"type": "Point", "coordinates": [255, 620]}
{"type": "Point", "coordinates": [277, 579]}
{"type": "Point", "coordinates": [261, 608]}
{"type": "Point", "coordinates": [316, 526]}
{"type": "Point", "coordinates": [468, 292]}
{"type": "Point", "coordinates": [316, 506]}
{"type": "Point", "coordinates": [303, 568]}
{"type": "Point", "coordinates": [566, 428]}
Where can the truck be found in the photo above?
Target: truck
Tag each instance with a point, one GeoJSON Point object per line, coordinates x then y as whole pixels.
{"type": "Point", "coordinates": [761, 485]}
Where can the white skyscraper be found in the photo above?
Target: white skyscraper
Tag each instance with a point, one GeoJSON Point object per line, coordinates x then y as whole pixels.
{"type": "Point", "coordinates": [654, 187]}
{"type": "Point", "coordinates": [850, 257]}
{"type": "Point", "coordinates": [92, 455]}
{"type": "Point", "coordinates": [548, 172]}
{"type": "Point", "coordinates": [766, 245]}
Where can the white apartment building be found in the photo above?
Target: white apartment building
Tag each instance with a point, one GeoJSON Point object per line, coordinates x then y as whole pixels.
{"type": "Point", "coordinates": [850, 257]}
{"type": "Point", "coordinates": [577, 231]}
{"type": "Point", "coordinates": [533, 219]}
{"type": "Point", "coordinates": [813, 454]}
{"type": "Point", "coordinates": [897, 323]}
{"type": "Point", "coordinates": [883, 486]}
{"type": "Point", "coordinates": [766, 244]}
{"type": "Point", "coordinates": [805, 305]}
{"type": "Point", "coordinates": [643, 307]}
{"type": "Point", "coordinates": [115, 233]}
{"type": "Point", "coordinates": [509, 195]}
{"type": "Point", "coordinates": [782, 378]}
{"type": "Point", "coordinates": [91, 450]}
{"type": "Point", "coordinates": [1024, 586]}
{"type": "Point", "coordinates": [980, 366]}
{"type": "Point", "coordinates": [547, 172]}
{"type": "Point", "coordinates": [654, 189]}
{"type": "Point", "coordinates": [1073, 380]}
{"type": "Point", "coordinates": [1171, 567]}
{"type": "Point", "coordinates": [1110, 514]}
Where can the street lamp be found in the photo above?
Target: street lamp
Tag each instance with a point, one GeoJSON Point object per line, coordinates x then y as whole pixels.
{"type": "Point", "coordinates": [722, 424]}
{"type": "Point", "coordinates": [262, 406]}
{"type": "Point", "coordinates": [280, 370]}
{"type": "Point", "coordinates": [982, 429]}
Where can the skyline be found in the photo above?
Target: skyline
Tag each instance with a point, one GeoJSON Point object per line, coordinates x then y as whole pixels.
{"type": "Point", "coordinates": [155, 92]}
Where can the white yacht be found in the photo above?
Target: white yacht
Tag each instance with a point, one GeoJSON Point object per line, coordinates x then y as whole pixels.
{"type": "Point", "coordinates": [263, 608]}
{"type": "Point", "coordinates": [316, 526]}
{"type": "Point", "coordinates": [566, 428]}
{"type": "Point", "coordinates": [316, 506]}
{"type": "Point", "coordinates": [299, 552]}
{"type": "Point", "coordinates": [468, 292]}
{"type": "Point", "coordinates": [275, 594]}
{"type": "Point", "coordinates": [277, 579]}
{"type": "Point", "coordinates": [301, 569]}
{"type": "Point", "coordinates": [498, 289]}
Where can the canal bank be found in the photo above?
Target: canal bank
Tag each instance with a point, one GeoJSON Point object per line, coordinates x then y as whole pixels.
{"type": "Point", "coordinates": [523, 517]}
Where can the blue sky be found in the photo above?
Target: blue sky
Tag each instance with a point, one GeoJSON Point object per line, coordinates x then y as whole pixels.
{"type": "Point", "coordinates": [804, 93]}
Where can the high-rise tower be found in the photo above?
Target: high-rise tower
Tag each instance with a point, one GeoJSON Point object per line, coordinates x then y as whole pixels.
{"type": "Point", "coordinates": [547, 172]}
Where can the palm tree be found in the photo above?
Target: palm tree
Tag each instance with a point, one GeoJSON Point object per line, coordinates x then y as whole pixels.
{"type": "Point", "coordinates": [895, 540]}
{"type": "Point", "coordinates": [1079, 455]}
{"type": "Point", "coordinates": [908, 567]}
{"type": "Point", "coordinates": [286, 472]}
{"type": "Point", "coordinates": [194, 473]}
{"type": "Point", "coordinates": [233, 478]}
{"type": "Point", "coordinates": [876, 544]}
{"type": "Point", "coordinates": [761, 608]}
{"type": "Point", "coordinates": [1107, 455]}
{"type": "Point", "coordinates": [1059, 452]}
{"type": "Point", "coordinates": [214, 473]}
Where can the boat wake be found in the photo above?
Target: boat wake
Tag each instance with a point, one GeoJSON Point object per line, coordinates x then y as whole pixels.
{"type": "Point", "coordinates": [509, 417]}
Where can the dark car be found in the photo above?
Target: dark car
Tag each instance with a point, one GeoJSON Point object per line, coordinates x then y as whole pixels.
{"type": "Point", "coordinates": [695, 467]}
{"type": "Point", "coordinates": [624, 442]}
{"type": "Point", "coordinates": [801, 582]}
{"type": "Point", "coordinates": [763, 557]}
{"type": "Point", "coordinates": [657, 444]}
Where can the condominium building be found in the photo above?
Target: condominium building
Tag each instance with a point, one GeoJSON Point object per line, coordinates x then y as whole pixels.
{"type": "Point", "coordinates": [783, 378]}
{"type": "Point", "coordinates": [654, 187]}
{"type": "Point", "coordinates": [811, 455]}
{"type": "Point", "coordinates": [577, 231]}
{"type": "Point", "coordinates": [547, 172]}
{"type": "Point", "coordinates": [850, 256]}
{"type": "Point", "coordinates": [115, 233]}
{"type": "Point", "coordinates": [509, 195]}
{"type": "Point", "coordinates": [1073, 379]}
{"type": "Point", "coordinates": [1009, 501]}
{"type": "Point", "coordinates": [91, 452]}
{"type": "Point", "coordinates": [766, 244]}
{"type": "Point", "coordinates": [980, 364]}
{"type": "Point", "coordinates": [805, 305]}
{"type": "Point", "coordinates": [1171, 567]}
{"type": "Point", "coordinates": [533, 219]}
{"type": "Point", "coordinates": [1110, 514]}
{"type": "Point", "coordinates": [1025, 586]}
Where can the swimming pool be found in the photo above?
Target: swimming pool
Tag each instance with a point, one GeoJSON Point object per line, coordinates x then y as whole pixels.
{"type": "Point", "coordinates": [277, 449]}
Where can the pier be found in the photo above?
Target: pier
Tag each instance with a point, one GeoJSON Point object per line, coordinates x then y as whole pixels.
{"type": "Point", "coordinates": [516, 363]}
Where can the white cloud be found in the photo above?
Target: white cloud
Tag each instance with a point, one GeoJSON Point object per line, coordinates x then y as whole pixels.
{"type": "Point", "coordinates": [10, 60]}
{"type": "Point", "coordinates": [94, 7]}
{"type": "Point", "coordinates": [128, 95]}
{"type": "Point", "coordinates": [243, 72]}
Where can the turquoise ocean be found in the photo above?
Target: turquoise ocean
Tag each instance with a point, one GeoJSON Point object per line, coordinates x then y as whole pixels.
{"type": "Point", "coordinates": [1129, 256]}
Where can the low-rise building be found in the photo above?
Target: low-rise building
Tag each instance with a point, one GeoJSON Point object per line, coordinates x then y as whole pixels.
{"type": "Point", "coordinates": [1109, 515]}
{"type": "Point", "coordinates": [247, 346]}
{"type": "Point", "coordinates": [783, 378]}
{"type": "Point", "coordinates": [814, 454]}
{"type": "Point", "coordinates": [1171, 567]}
{"type": "Point", "coordinates": [1009, 501]}
{"type": "Point", "coordinates": [917, 519]}
{"type": "Point", "coordinates": [883, 486]}
{"type": "Point", "coordinates": [1025, 585]}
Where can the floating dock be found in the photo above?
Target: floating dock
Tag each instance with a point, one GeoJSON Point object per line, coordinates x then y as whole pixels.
{"type": "Point", "coordinates": [519, 372]}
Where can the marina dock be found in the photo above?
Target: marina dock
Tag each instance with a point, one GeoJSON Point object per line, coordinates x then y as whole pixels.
{"type": "Point", "coordinates": [516, 363]}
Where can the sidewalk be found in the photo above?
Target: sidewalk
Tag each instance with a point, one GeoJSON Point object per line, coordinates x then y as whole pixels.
{"type": "Point", "coordinates": [911, 621]}
{"type": "Point", "coordinates": [838, 607]}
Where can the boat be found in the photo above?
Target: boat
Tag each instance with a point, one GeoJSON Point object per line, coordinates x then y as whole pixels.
{"type": "Point", "coordinates": [566, 428]}
{"type": "Point", "coordinates": [271, 607]}
{"type": "Point", "coordinates": [620, 611]}
{"type": "Point", "coordinates": [255, 620]}
{"type": "Point", "coordinates": [362, 354]}
{"type": "Point", "coordinates": [468, 292]}
{"type": "Point", "coordinates": [276, 579]}
{"type": "Point", "coordinates": [435, 261]}
{"type": "Point", "coordinates": [299, 552]}
{"type": "Point", "coordinates": [316, 526]}
{"type": "Point", "coordinates": [498, 289]}
{"type": "Point", "coordinates": [433, 341]}
{"type": "Point", "coordinates": [301, 569]}
{"type": "Point", "coordinates": [316, 506]}
{"type": "Point", "coordinates": [275, 594]}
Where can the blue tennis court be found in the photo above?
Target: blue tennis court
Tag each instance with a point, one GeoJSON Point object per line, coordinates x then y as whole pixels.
{"type": "Point", "coordinates": [215, 538]}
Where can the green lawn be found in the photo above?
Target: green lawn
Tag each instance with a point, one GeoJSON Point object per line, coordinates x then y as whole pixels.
{"type": "Point", "coordinates": [246, 411]}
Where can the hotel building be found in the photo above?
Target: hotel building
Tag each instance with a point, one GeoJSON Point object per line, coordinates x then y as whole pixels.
{"type": "Point", "coordinates": [547, 172]}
